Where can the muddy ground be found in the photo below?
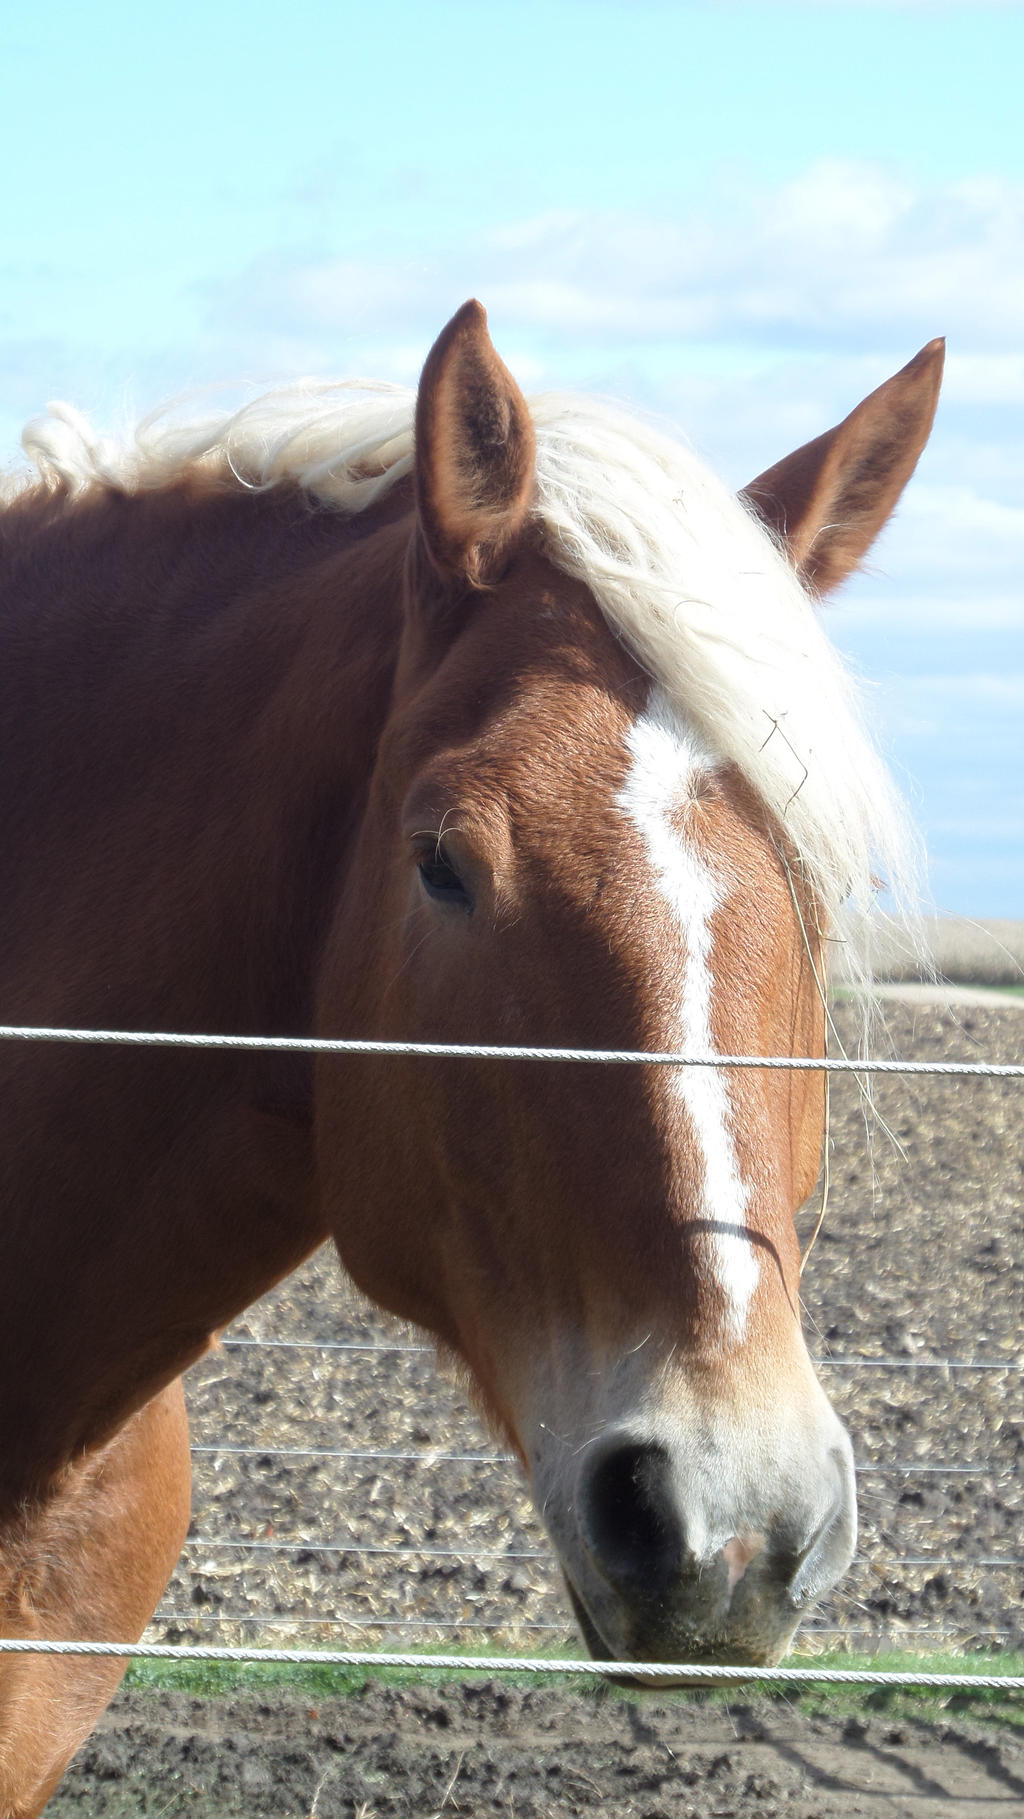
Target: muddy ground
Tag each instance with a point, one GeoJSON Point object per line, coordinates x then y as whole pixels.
{"type": "Point", "coordinates": [498, 1752]}
{"type": "Point", "coordinates": [304, 1533]}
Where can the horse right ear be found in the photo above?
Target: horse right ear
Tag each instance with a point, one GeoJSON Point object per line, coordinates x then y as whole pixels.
{"type": "Point", "coordinates": [828, 501]}
{"type": "Point", "coordinates": [474, 454]}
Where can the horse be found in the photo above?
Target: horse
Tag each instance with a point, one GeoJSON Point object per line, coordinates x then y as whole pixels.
{"type": "Point", "coordinates": [453, 718]}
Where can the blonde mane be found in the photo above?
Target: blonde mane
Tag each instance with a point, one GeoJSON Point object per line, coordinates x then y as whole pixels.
{"type": "Point", "coordinates": [684, 574]}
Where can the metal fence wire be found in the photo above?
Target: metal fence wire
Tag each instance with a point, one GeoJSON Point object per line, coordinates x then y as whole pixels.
{"type": "Point", "coordinates": [521, 1552]}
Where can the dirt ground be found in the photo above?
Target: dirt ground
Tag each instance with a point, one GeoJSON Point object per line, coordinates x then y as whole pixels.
{"type": "Point", "coordinates": [918, 1262]}
{"type": "Point", "coordinates": [491, 1750]}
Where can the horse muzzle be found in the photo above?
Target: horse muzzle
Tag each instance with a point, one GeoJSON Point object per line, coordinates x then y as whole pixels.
{"type": "Point", "coordinates": [670, 1565]}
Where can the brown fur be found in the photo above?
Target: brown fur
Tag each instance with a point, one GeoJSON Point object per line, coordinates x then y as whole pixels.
{"type": "Point", "coordinates": [476, 445]}
{"type": "Point", "coordinates": [90, 1564]}
{"type": "Point", "coordinates": [227, 727]}
{"type": "Point", "coordinates": [828, 500]}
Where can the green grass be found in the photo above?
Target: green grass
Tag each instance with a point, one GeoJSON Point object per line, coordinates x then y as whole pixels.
{"type": "Point", "coordinates": [845, 994]}
{"type": "Point", "coordinates": [982, 1704]}
{"type": "Point", "coordinates": [218, 1679]}
{"type": "Point", "coordinates": [984, 985]}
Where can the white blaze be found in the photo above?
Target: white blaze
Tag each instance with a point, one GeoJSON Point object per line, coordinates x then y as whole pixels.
{"type": "Point", "coordinates": [666, 759]}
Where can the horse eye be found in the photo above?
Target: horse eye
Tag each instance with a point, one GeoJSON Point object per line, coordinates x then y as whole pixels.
{"type": "Point", "coordinates": [441, 881]}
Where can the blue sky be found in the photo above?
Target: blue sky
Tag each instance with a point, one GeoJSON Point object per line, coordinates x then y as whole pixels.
{"type": "Point", "coordinates": [742, 216]}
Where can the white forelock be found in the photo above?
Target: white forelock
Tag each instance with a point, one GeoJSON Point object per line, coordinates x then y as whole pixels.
{"type": "Point", "coordinates": [689, 578]}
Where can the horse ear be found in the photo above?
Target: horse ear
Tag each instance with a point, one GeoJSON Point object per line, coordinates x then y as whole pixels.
{"type": "Point", "coordinates": [474, 453]}
{"type": "Point", "coordinates": [829, 500]}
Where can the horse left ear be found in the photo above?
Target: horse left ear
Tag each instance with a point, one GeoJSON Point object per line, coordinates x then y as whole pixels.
{"type": "Point", "coordinates": [829, 500]}
{"type": "Point", "coordinates": [474, 453]}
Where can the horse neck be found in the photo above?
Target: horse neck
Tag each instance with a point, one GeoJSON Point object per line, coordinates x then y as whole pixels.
{"type": "Point", "coordinates": [187, 758]}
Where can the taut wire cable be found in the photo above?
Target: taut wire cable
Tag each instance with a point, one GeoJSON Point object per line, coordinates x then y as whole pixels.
{"type": "Point", "coordinates": [681, 1672]}
{"type": "Point", "coordinates": [490, 1051]}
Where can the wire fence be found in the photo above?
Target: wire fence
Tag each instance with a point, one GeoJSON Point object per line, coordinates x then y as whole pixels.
{"type": "Point", "coordinates": [491, 1051]}
{"type": "Point", "coordinates": [213, 1456]}
{"type": "Point", "coordinates": [672, 1673]}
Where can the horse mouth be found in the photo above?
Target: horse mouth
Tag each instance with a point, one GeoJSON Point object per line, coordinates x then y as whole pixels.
{"type": "Point", "coordinates": [596, 1645]}
{"type": "Point", "coordinates": [599, 1651]}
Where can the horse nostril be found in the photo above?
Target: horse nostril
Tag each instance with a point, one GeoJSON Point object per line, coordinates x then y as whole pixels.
{"type": "Point", "coordinates": [631, 1519]}
{"type": "Point", "coordinates": [830, 1549]}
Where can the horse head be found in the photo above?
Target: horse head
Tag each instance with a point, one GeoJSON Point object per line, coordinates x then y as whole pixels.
{"type": "Point", "coordinates": [619, 796]}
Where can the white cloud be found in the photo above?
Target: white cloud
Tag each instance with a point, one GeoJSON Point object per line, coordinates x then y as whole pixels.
{"type": "Point", "coordinates": [969, 725]}
{"type": "Point", "coordinates": [927, 614]}
{"type": "Point", "coordinates": [952, 531]}
{"type": "Point", "coordinates": [985, 378]}
{"type": "Point", "coordinates": [844, 254]}
{"type": "Point", "coordinates": [980, 689]}
{"type": "Point", "coordinates": [840, 208]}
